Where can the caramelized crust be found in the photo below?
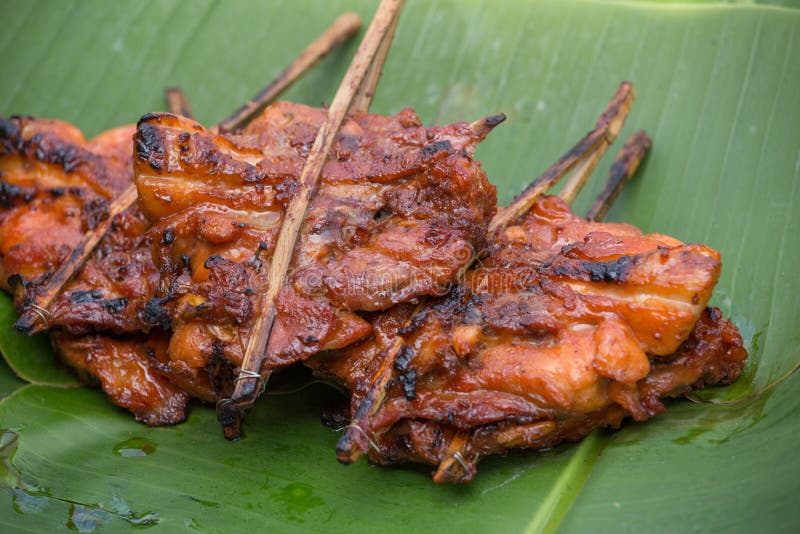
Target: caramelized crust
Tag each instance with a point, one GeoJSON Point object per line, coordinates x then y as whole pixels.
{"type": "Point", "coordinates": [126, 370]}
{"type": "Point", "coordinates": [54, 187]}
{"type": "Point", "coordinates": [399, 210]}
{"type": "Point", "coordinates": [566, 326]}
{"type": "Point", "coordinates": [713, 355]}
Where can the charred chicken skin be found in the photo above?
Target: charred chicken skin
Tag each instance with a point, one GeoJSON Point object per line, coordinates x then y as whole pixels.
{"type": "Point", "coordinates": [399, 211]}
{"type": "Point", "coordinates": [54, 187]}
{"type": "Point", "coordinates": [565, 326]}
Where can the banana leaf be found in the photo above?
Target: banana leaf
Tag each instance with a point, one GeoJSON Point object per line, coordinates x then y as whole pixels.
{"type": "Point", "coordinates": [718, 87]}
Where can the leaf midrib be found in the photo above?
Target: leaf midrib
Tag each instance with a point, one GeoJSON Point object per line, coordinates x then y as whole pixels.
{"type": "Point", "coordinates": [568, 485]}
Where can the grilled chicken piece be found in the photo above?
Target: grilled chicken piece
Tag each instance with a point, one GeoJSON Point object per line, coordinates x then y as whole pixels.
{"type": "Point", "coordinates": [566, 326]}
{"type": "Point", "coordinates": [127, 370]}
{"type": "Point", "coordinates": [712, 355]}
{"type": "Point", "coordinates": [399, 210]}
{"type": "Point", "coordinates": [54, 187]}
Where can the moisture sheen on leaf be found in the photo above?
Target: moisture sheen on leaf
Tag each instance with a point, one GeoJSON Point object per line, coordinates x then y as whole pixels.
{"type": "Point", "coordinates": [717, 91]}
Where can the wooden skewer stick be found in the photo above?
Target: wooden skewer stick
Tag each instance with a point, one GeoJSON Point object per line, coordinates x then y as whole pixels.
{"type": "Point", "coordinates": [458, 465]}
{"type": "Point", "coordinates": [623, 169]}
{"type": "Point", "coordinates": [354, 441]}
{"type": "Point", "coordinates": [249, 380]}
{"type": "Point", "coordinates": [342, 29]}
{"type": "Point", "coordinates": [36, 316]}
{"type": "Point", "coordinates": [178, 102]}
{"type": "Point", "coordinates": [356, 436]}
{"type": "Point", "coordinates": [362, 100]}
{"type": "Point", "coordinates": [576, 181]}
{"type": "Point", "coordinates": [603, 134]}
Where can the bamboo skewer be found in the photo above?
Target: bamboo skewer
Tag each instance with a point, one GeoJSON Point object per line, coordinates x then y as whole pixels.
{"type": "Point", "coordinates": [356, 437]}
{"type": "Point", "coordinates": [342, 29]}
{"type": "Point", "coordinates": [599, 139]}
{"type": "Point", "coordinates": [458, 465]}
{"type": "Point", "coordinates": [623, 169]}
{"type": "Point", "coordinates": [178, 102]}
{"type": "Point", "coordinates": [584, 154]}
{"type": "Point", "coordinates": [250, 379]}
{"type": "Point", "coordinates": [36, 316]}
{"type": "Point", "coordinates": [366, 90]}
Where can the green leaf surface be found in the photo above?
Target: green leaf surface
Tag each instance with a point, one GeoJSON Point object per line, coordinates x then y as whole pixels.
{"type": "Point", "coordinates": [31, 358]}
{"type": "Point", "coordinates": [9, 382]}
{"type": "Point", "coordinates": [718, 89]}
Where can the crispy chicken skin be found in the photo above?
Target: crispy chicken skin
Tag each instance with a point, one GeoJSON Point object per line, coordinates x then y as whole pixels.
{"type": "Point", "coordinates": [127, 370]}
{"type": "Point", "coordinates": [564, 326]}
{"type": "Point", "coordinates": [567, 325]}
{"type": "Point", "coordinates": [400, 208]}
{"type": "Point", "coordinates": [54, 187]}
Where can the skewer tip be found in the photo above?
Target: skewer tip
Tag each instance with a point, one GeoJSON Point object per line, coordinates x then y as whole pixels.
{"type": "Point", "coordinates": [483, 126]}
{"type": "Point", "coordinates": [29, 323]}
{"type": "Point", "coordinates": [178, 102]}
{"type": "Point", "coordinates": [347, 449]}
{"type": "Point", "coordinates": [349, 23]}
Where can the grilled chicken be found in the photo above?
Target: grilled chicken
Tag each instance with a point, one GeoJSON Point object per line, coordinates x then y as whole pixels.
{"type": "Point", "coordinates": [399, 211]}
{"type": "Point", "coordinates": [566, 326]}
{"type": "Point", "coordinates": [563, 327]}
{"type": "Point", "coordinates": [127, 371]}
{"type": "Point", "coordinates": [54, 187]}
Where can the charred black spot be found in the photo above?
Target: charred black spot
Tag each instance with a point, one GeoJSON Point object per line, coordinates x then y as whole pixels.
{"type": "Point", "coordinates": [150, 353]}
{"type": "Point", "coordinates": [349, 144]}
{"type": "Point", "coordinates": [434, 148]}
{"type": "Point", "coordinates": [154, 312]}
{"type": "Point", "coordinates": [403, 358]}
{"type": "Point", "coordinates": [9, 128]}
{"type": "Point", "coordinates": [148, 143]}
{"type": "Point", "coordinates": [81, 297]}
{"type": "Point", "coordinates": [614, 271]}
{"type": "Point", "coordinates": [9, 193]}
{"type": "Point", "coordinates": [494, 120]}
{"type": "Point", "coordinates": [309, 339]}
{"type": "Point", "coordinates": [185, 261]}
{"type": "Point", "coordinates": [382, 214]}
{"type": "Point", "coordinates": [58, 191]}
{"type": "Point", "coordinates": [608, 271]}
{"type": "Point", "coordinates": [16, 280]}
{"type": "Point", "coordinates": [115, 305]}
{"type": "Point", "coordinates": [94, 212]}
{"type": "Point", "coordinates": [409, 383]}
{"type": "Point", "coordinates": [168, 237]}
{"type": "Point", "coordinates": [217, 353]}
{"type": "Point", "coordinates": [65, 155]}
{"type": "Point", "coordinates": [153, 116]}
